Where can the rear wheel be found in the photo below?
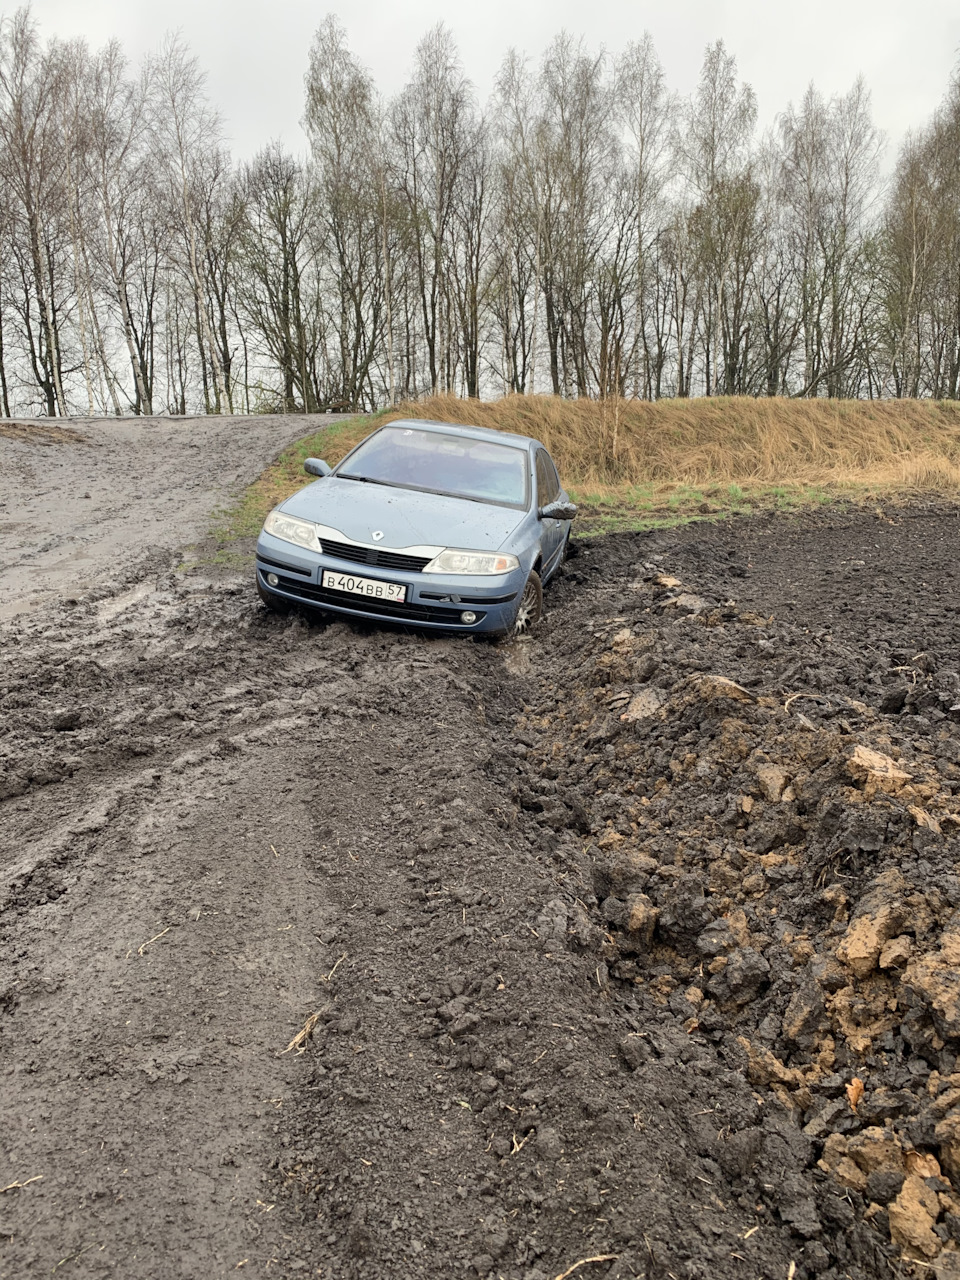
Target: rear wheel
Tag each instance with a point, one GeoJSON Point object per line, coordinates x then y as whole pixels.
{"type": "Point", "coordinates": [531, 606]}
{"type": "Point", "coordinates": [276, 604]}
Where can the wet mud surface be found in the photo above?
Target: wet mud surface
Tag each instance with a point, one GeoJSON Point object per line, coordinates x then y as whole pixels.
{"type": "Point", "coordinates": [343, 952]}
{"type": "Point", "coordinates": [81, 504]}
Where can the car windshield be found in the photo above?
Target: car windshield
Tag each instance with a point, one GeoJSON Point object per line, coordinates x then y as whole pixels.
{"type": "Point", "coordinates": [435, 462]}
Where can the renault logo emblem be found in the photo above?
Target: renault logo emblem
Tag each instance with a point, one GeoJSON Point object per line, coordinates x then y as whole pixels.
{"type": "Point", "coordinates": [377, 535]}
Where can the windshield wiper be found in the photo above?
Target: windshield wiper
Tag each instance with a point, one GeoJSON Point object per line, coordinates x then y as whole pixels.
{"type": "Point", "coordinates": [464, 497]}
{"type": "Point", "coordinates": [449, 493]}
{"type": "Point", "coordinates": [345, 475]}
{"type": "Point", "coordinates": [440, 493]}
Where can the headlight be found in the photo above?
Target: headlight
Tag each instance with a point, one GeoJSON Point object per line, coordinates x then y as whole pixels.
{"type": "Point", "coordinates": [300, 532]}
{"type": "Point", "coordinates": [472, 562]}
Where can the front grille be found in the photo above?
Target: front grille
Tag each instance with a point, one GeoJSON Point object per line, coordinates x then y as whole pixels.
{"type": "Point", "coordinates": [361, 604]}
{"type": "Point", "coordinates": [373, 556]}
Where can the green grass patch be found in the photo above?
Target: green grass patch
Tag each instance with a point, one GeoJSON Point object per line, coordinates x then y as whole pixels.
{"type": "Point", "coordinates": [204, 557]}
{"type": "Point", "coordinates": [640, 507]}
{"type": "Point", "coordinates": [284, 477]}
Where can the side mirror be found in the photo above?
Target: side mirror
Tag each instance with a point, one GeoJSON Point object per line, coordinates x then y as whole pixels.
{"type": "Point", "coordinates": [317, 467]}
{"type": "Point", "coordinates": [558, 511]}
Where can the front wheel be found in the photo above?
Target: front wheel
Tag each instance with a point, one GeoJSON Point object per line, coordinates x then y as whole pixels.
{"type": "Point", "coordinates": [531, 606]}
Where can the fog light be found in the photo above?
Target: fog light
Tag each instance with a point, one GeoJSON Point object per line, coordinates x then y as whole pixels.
{"type": "Point", "coordinates": [273, 580]}
{"type": "Point", "coordinates": [468, 617]}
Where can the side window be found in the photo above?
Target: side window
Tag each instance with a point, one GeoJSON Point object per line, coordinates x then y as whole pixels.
{"type": "Point", "coordinates": [548, 484]}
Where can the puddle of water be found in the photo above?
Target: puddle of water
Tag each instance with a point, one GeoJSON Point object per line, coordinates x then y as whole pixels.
{"type": "Point", "coordinates": [13, 608]}
{"type": "Point", "coordinates": [516, 657]}
{"type": "Point", "coordinates": [73, 558]}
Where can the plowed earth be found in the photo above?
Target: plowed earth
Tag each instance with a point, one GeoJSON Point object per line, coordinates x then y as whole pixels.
{"type": "Point", "coordinates": [628, 950]}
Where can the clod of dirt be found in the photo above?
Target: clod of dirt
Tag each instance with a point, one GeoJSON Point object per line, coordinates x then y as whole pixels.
{"type": "Point", "coordinates": [913, 1216]}
{"type": "Point", "coordinates": [875, 771]}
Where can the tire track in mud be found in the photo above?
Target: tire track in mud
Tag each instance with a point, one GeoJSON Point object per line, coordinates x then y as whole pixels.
{"type": "Point", "coordinates": [460, 1104]}
{"type": "Point", "coordinates": [164, 956]}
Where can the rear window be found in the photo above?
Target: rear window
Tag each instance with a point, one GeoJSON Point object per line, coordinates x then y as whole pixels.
{"type": "Point", "coordinates": [434, 462]}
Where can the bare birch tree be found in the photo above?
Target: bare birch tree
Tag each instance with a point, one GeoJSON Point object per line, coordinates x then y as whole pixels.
{"type": "Point", "coordinates": [342, 124]}
{"type": "Point", "coordinates": [32, 159]}
{"type": "Point", "coordinates": [185, 130]}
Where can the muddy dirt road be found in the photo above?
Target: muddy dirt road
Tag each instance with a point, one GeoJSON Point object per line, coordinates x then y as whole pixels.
{"type": "Point", "coordinates": [348, 953]}
{"type": "Point", "coordinates": [82, 503]}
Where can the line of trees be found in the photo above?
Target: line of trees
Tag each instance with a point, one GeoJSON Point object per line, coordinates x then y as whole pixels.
{"type": "Point", "coordinates": [587, 233]}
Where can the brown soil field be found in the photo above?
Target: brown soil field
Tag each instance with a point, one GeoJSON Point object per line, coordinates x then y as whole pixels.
{"type": "Point", "coordinates": [628, 950]}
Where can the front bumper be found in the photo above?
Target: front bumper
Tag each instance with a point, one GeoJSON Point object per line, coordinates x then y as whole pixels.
{"type": "Point", "coordinates": [433, 601]}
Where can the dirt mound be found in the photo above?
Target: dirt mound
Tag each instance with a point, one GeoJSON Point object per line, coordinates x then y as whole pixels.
{"type": "Point", "coordinates": [775, 823]}
{"type": "Point", "coordinates": [38, 433]}
{"type": "Point", "coordinates": [337, 950]}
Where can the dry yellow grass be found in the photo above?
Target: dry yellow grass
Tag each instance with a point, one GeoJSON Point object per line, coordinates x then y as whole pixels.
{"type": "Point", "coordinates": [630, 463]}
{"type": "Point", "coordinates": [907, 444]}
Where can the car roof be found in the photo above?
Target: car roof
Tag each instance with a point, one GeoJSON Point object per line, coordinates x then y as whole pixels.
{"type": "Point", "coordinates": [470, 432]}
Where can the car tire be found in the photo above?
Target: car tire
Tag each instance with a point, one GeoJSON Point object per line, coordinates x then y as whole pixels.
{"type": "Point", "coordinates": [530, 609]}
{"type": "Point", "coordinates": [275, 603]}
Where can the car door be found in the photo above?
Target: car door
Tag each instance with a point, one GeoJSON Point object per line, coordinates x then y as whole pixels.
{"type": "Point", "coordinates": [552, 532]}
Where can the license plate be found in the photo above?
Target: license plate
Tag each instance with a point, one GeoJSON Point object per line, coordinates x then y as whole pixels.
{"type": "Point", "coordinates": [364, 586]}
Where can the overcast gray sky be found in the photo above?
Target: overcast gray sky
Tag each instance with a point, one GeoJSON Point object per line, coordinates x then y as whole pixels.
{"type": "Point", "coordinates": [255, 52]}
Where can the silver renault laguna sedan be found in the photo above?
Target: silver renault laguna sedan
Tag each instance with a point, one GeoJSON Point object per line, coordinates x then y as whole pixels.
{"type": "Point", "coordinates": [425, 523]}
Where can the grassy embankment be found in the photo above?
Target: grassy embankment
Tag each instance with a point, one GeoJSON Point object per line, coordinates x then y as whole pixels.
{"type": "Point", "coordinates": [632, 464]}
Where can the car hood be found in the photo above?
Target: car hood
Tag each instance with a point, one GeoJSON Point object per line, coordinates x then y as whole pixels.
{"type": "Point", "coordinates": [405, 517]}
